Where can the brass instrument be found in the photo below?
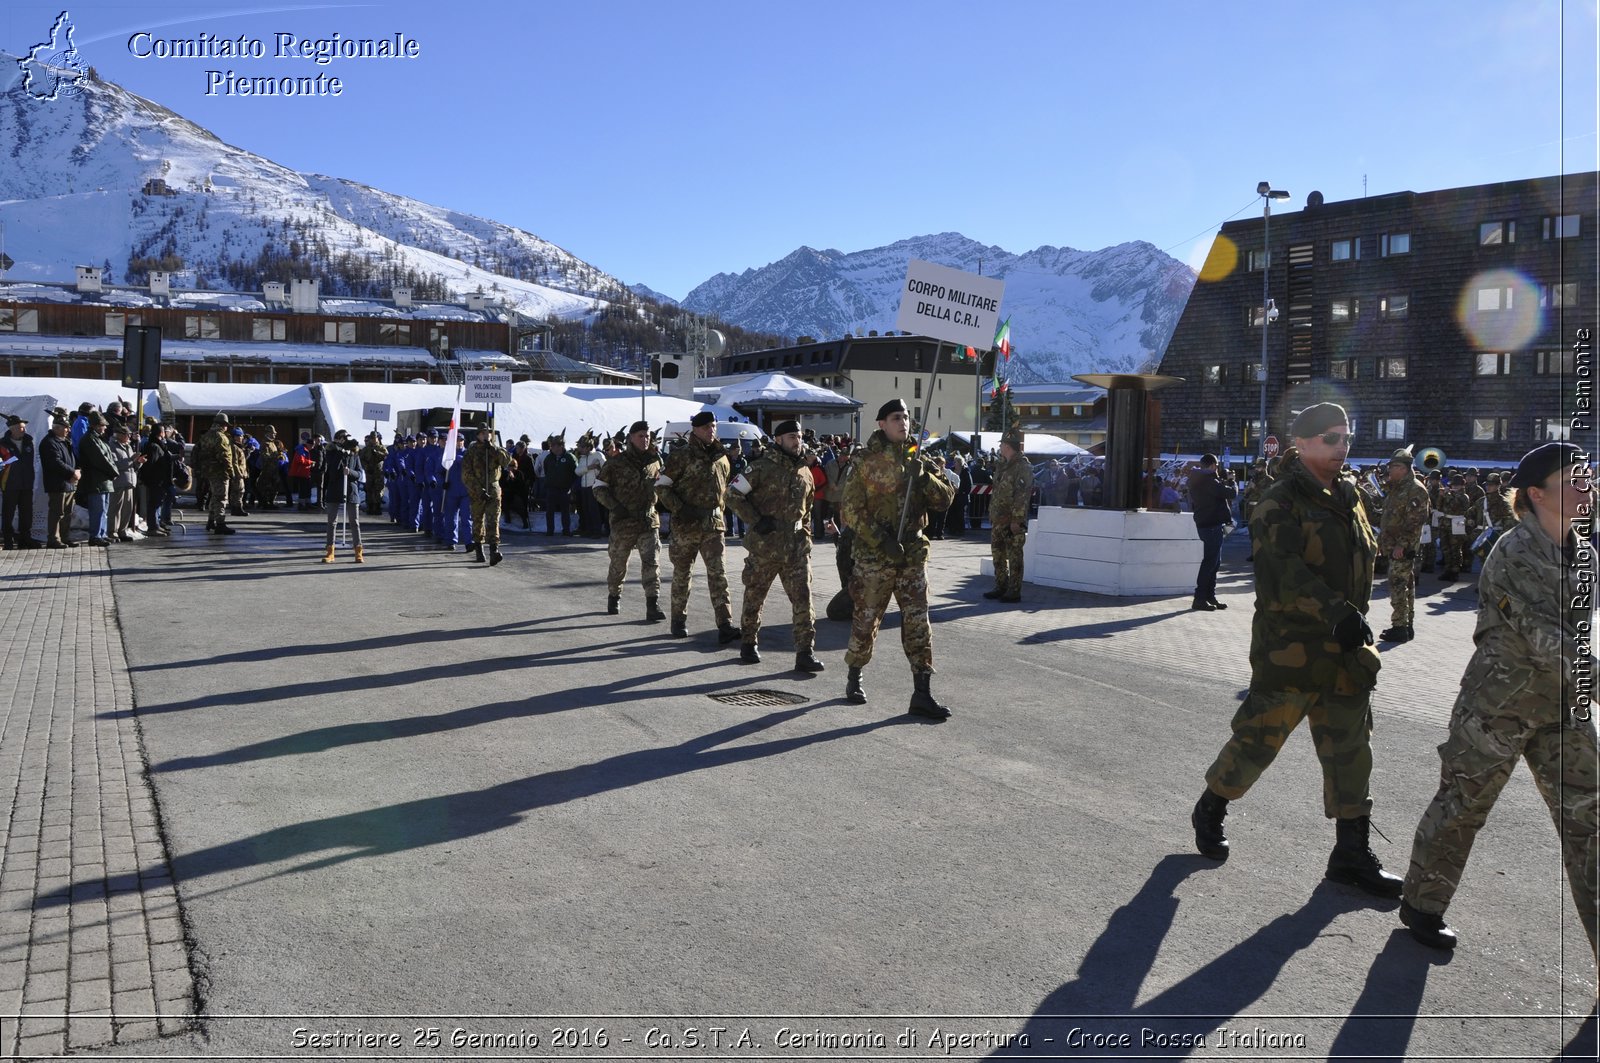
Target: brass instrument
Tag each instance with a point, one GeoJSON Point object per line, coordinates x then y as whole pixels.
{"type": "Point", "coordinates": [1431, 460]}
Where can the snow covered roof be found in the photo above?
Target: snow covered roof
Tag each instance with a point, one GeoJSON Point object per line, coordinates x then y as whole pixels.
{"type": "Point", "coordinates": [193, 299]}
{"type": "Point", "coordinates": [779, 391]}
{"type": "Point", "coordinates": [175, 350]}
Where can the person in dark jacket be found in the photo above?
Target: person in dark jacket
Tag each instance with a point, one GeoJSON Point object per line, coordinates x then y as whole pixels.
{"type": "Point", "coordinates": [16, 485]}
{"type": "Point", "coordinates": [58, 466]}
{"type": "Point", "coordinates": [342, 473]}
{"type": "Point", "coordinates": [155, 482]}
{"type": "Point", "coordinates": [560, 476]}
{"type": "Point", "coordinates": [98, 475]}
{"type": "Point", "coordinates": [1212, 499]}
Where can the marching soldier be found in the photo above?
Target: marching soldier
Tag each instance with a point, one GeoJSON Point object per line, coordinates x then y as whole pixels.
{"type": "Point", "coordinates": [1430, 549]}
{"type": "Point", "coordinates": [480, 475]}
{"type": "Point", "coordinates": [1405, 511]}
{"type": "Point", "coordinates": [1008, 517]}
{"type": "Point", "coordinates": [887, 499]}
{"type": "Point", "coordinates": [773, 497]}
{"type": "Point", "coordinates": [1311, 654]}
{"type": "Point", "coordinates": [625, 485]}
{"type": "Point", "coordinates": [238, 470]}
{"type": "Point", "coordinates": [213, 464]}
{"type": "Point", "coordinates": [1498, 498]}
{"type": "Point", "coordinates": [1456, 509]}
{"type": "Point", "coordinates": [1516, 698]}
{"type": "Point", "coordinates": [693, 488]}
{"type": "Point", "coordinates": [373, 460]}
{"type": "Point", "coordinates": [272, 462]}
{"type": "Point", "coordinates": [1259, 480]}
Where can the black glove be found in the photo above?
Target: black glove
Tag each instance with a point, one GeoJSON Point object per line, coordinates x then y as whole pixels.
{"type": "Point", "coordinates": [766, 525]}
{"type": "Point", "coordinates": [1353, 632]}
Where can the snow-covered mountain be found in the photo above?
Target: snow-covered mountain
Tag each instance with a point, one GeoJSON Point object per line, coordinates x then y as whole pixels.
{"type": "Point", "coordinates": [1071, 311]}
{"type": "Point", "coordinates": [104, 177]}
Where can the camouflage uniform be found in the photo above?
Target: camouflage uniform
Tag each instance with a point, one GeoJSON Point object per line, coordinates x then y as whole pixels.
{"type": "Point", "coordinates": [213, 463]}
{"type": "Point", "coordinates": [1405, 511]}
{"type": "Point", "coordinates": [480, 475]}
{"type": "Point", "coordinates": [1454, 546]}
{"type": "Point", "coordinates": [372, 458]}
{"type": "Point", "coordinates": [887, 565]}
{"type": "Point", "coordinates": [271, 481]}
{"type": "Point", "coordinates": [626, 487]}
{"type": "Point", "coordinates": [238, 471]}
{"type": "Point", "coordinates": [1313, 552]}
{"type": "Point", "coordinates": [1008, 505]}
{"type": "Point", "coordinates": [1515, 703]}
{"type": "Point", "coordinates": [1259, 482]}
{"type": "Point", "coordinates": [1429, 557]}
{"type": "Point", "coordinates": [693, 488]}
{"type": "Point", "coordinates": [1501, 514]}
{"type": "Point", "coordinates": [777, 485]}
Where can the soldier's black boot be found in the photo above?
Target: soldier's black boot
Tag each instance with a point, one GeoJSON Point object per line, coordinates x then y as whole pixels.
{"type": "Point", "coordinates": [1398, 633]}
{"type": "Point", "coordinates": [806, 661]}
{"type": "Point", "coordinates": [726, 632]}
{"type": "Point", "coordinates": [1428, 927]}
{"type": "Point", "coordinates": [922, 701]}
{"type": "Point", "coordinates": [477, 552]}
{"type": "Point", "coordinates": [852, 688]}
{"type": "Point", "coordinates": [750, 653]}
{"type": "Point", "coordinates": [1355, 864]}
{"type": "Point", "coordinates": [652, 611]}
{"type": "Point", "coordinates": [992, 595]}
{"type": "Point", "coordinates": [1448, 577]}
{"type": "Point", "coordinates": [680, 625]}
{"type": "Point", "coordinates": [613, 601]}
{"type": "Point", "coordinates": [222, 526]}
{"type": "Point", "coordinates": [1207, 820]}
{"type": "Point", "coordinates": [495, 556]}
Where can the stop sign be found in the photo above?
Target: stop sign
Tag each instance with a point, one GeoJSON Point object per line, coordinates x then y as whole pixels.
{"type": "Point", "coordinates": [1269, 446]}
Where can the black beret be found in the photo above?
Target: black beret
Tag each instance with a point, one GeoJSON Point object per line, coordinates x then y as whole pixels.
{"type": "Point", "coordinates": [1315, 420]}
{"type": "Point", "coordinates": [785, 427]}
{"type": "Point", "coordinates": [699, 420]}
{"type": "Point", "coordinates": [1208, 459]}
{"type": "Point", "coordinates": [639, 426]}
{"type": "Point", "coordinates": [892, 406]}
{"type": "Point", "coordinates": [1537, 464]}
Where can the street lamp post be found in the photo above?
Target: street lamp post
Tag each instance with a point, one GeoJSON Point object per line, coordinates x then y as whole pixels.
{"type": "Point", "coordinates": [1268, 311]}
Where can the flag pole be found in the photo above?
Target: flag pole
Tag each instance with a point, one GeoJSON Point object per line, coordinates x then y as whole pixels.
{"type": "Point", "coordinates": [911, 480]}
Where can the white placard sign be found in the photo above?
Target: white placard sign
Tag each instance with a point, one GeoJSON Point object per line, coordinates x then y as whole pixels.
{"type": "Point", "coordinates": [374, 411]}
{"type": "Point", "coordinates": [950, 304]}
{"type": "Point", "coordinates": [485, 386]}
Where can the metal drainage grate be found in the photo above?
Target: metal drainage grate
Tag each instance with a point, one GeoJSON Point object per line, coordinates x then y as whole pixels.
{"type": "Point", "coordinates": [759, 698]}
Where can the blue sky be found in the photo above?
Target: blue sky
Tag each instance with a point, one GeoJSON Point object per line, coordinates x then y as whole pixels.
{"type": "Point", "coordinates": [665, 142]}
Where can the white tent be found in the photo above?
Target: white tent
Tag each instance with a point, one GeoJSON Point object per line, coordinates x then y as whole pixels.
{"type": "Point", "coordinates": [201, 399]}
{"type": "Point", "coordinates": [1034, 444]}
{"type": "Point", "coordinates": [780, 392]}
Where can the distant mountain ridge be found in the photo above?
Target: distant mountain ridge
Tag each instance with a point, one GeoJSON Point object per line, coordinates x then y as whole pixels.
{"type": "Point", "coordinates": [1071, 311]}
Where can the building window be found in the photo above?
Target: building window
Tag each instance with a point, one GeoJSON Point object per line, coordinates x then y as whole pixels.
{"type": "Point", "coordinates": [439, 340]}
{"type": "Point", "coordinates": [15, 320]}
{"type": "Point", "coordinates": [1394, 307]}
{"type": "Point", "coordinates": [1252, 429]}
{"type": "Point", "coordinates": [338, 332]}
{"type": "Point", "coordinates": [1344, 310]}
{"type": "Point", "coordinates": [1392, 428]}
{"type": "Point", "coordinates": [1552, 430]}
{"type": "Point", "coordinates": [1489, 364]}
{"type": "Point", "coordinates": [1496, 298]}
{"type": "Point", "coordinates": [1495, 233]}
{"type": "Point", "coordinates": [399, 335]}
{"type": "Point", "coordinates": [1392, 367]}
{"type": "Point", "coordinates": [1558, 295]}
{"type": "Point", "coordinates": [202, 328]}
{"type": "Point", "coordinates": [1342, 369]}
{"type": "Point", "coordinates": [1553, 362]}
{"type": "Point", "coordinates": [1211, 428]}
{"type": "Point", "coordinates": [1561, 227]}
{"type": "Point", "coordinates": [1347, 249]}
{"type": "Point", "coordinates": [117, 324]}
{"type": "Point", "coordinates": [1394, 244]}
{"type": "Point", "coordinates": [1255, 316]}
{"type": "Point", "coordinates": [1259, 260]}
{"type": "Point", "coordinates": [1213, 374]}
{"type": "Point", "coordinates": [1491, 429]}
{"type": "Point", "coordinates": [269, 329]}
{"type": "Point", "coordinates": [916, 388]}
{"type": "Point", "coordinates": [1252, 373]}
{"type": "Point", "coordinates": [1055, 411]}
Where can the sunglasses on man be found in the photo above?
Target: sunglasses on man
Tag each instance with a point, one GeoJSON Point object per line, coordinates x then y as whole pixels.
{"type": "Point", "coordinates": [1333, 439]}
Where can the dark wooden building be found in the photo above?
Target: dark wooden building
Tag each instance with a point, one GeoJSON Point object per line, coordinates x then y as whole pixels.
{"type": "Point", "coordinates": [1445, 319]}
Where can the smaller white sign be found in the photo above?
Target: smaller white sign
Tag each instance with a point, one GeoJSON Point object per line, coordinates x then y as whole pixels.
{"type": "Point", "coordinates": [486, 386]}
{"type": "Point", "coordinates": [950, 304]}
{"type": "Point", "coordinates": [374, 411]}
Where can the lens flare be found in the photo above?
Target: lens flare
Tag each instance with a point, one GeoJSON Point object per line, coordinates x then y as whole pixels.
{"type": "Point", "coordinates": [1499, 310]}
{"type": "Point", "coordinates": [1220, 260]}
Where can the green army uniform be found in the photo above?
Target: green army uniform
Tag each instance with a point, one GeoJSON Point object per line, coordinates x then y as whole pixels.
{"type": "Point", "coordinates": [1259, 482]}
{"type": "Point", "coordinates": [238, 471]}
{"type": "Point", "coordinates": [1453, 502]}
{"type": "Point", "coordinates": [1498, 501]}
{"type": "Point", "coordinates": [773, 498]}
{"type": "Point", "coordinates": [480, 475]}
{"type": "Point", "coordinates": [213, 463]}
{"type": "Point", "coordinates": [1516, 704]}
{"type": "Point", "coordinates": [626, 487]}
{"type": "Point", "coordinates": [1008, 505]}
{"type": "Point", "coordinates": [887, 564]}
{"type": "Point", "coordinates": [693, 487]}
{"type": "Point", "coordinates": [271, 479]}
{"type": "Point", "coordinates": [1405, 511]}
{"type": "Point", "coordinates": [372, 458]}
{"type": "Point", "coordinates": [1429, 557]}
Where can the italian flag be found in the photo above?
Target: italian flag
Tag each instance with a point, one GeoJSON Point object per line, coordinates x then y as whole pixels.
{"type": "Point", "coordinates": [1002, 338]}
